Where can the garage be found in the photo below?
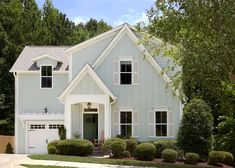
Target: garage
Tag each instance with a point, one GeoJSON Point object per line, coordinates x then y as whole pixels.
{"type": "Point", "coordinates": [39, 134]}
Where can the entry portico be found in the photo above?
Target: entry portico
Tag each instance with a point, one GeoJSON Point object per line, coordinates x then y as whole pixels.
{"type": "Point", "coordinates": [87, 94]}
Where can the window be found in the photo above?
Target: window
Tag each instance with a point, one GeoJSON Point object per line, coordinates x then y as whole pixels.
{"type": "Point", "coordinates": [37, 126]}
{"type": "Point", "coordinates": [161, 123]}
{"type": "Point", "coordinates": [126, 123]}
{"type": "Point", "coordinates": [46, 76]}
{"type": "Point", "coordinates": [54, 126]}
{"type": "Point", "coordinates": [125, 72]}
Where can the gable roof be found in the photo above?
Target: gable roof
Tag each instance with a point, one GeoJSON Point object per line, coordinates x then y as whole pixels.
{"type": "Point", "coordinates": [46, 56]}
{"type": "Point", "coordinates": [25, 60]}
{"type": "Point", "coordinates": [86, 69]}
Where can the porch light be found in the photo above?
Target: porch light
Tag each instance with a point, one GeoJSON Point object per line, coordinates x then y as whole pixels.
{"type": "Point", "coordinates": [45, 110]}
{"type": "Point", "coordinates": [89, 105]}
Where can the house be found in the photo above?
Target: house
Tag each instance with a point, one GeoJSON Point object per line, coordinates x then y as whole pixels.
{"type": "Point", "coordinates": [101, 87]}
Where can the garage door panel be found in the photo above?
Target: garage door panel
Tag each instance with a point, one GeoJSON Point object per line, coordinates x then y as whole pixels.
{"type": "Point", "coordinates": [39, 135]}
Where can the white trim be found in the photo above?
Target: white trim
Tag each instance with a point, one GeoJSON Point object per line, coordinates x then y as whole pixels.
{"type": "Point", "coordinates": [92, 41]}
{"type": "Point", "coordinates": [16, 113]}
{"type": "Point", "coordinates": [46, 56]}
{"type": "Point", "coordinates": [46, 76]}
{"type": "Point", "coordinates": [41, 117]}
{"type": "Point", "coordinates": [109, 47]}
{"type": "Point", "coordinates": [153, 62]}
{"type": "Point", "coordinates": [70, 68]}
{"type": "Point", "coordinates": [37, 71]}
{"type": "Point", "coordinates": [86, 69]}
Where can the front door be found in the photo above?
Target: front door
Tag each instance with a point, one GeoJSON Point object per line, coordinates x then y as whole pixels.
{"type": "Point", "coordinates": [90, 126]}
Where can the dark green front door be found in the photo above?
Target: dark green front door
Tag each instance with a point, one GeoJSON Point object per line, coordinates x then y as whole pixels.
{"type": "Point", "coordinates": [90, 126]}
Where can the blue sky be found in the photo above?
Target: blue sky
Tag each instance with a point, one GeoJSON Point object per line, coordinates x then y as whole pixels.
{"type": "Point", "coordinates": [114, 12]}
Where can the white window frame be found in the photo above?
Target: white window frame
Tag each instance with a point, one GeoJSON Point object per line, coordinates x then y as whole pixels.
{"type": "Point", "coordinates": [120, 124]}
{"type": "Point", "coordinates": [161, 109]}
{"type": "Point", "coordinates": [46, 76]}
{"type": "Point", "coordinates": [119, 68]}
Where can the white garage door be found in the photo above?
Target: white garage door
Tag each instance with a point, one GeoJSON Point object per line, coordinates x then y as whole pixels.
{"type": "Point", "coordinates": [40, 134]}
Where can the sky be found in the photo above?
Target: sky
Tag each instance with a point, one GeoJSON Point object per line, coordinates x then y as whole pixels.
{"type": "Point", "coordinates": [114, 12]}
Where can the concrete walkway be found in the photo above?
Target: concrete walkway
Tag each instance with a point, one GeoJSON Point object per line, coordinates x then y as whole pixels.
{"type": "Point", "coordinates": [15, 160]}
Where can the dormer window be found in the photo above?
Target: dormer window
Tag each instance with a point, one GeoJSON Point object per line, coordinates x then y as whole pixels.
{"type": "Point", "coordinates": [46, 76]}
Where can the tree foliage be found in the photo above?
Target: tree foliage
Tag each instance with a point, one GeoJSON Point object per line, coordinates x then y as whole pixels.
{"type": "Point", "coordinates": [23, 23]}
{"type": "Point", "coordinates": [203, 33]}
{"type": "Point", "coordinates": [195, 132]}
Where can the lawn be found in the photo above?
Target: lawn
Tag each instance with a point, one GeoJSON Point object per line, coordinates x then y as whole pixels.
{"type": "Point", "coordinates": [40, 166]}
{"type": "Point", "coordinates": [110, 161]}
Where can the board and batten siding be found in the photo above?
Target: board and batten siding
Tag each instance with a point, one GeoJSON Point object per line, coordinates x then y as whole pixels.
{"type": "Point", "coordinates": [89, 54]}
{"type": "Point", "coordinates": [150, 92]}
{"type": "Point", "coordinates": [33, 99]}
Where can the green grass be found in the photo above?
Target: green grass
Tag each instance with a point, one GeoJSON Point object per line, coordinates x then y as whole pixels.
{"type": "Point", "coordinates": [110, 161]}
{"type": "Point", "coordinates": [40, 166]}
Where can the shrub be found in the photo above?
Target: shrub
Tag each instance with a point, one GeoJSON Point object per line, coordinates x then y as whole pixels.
{"type": "Point", "coordinates": [117, 148]}
{"type": "Point", "coordinates": [161, 145]}
{"type": "Point", "coordinates": [78, 147]}
{"type": "Point", "coordinates": [216, 157]}
{"type": "Point", "coordinates": [9, 148]}
{"type": "Point", "coordinates": [106, 147]}
{"type": "Point", "coordinates": [145, 151]}
{"type": "Point", "coordinates": [62, 132]}
{"type": "Point", "coordinates": [131, 145]}
{"type": "Point", "coordinates": [51, 150]}
{"type": "Point", "coordinates": [195, 132]}
{"type": "Point", "coordinates": [191, 158]}
{"type": "Point", "coordinates": [169, 155]}
{"type": "Point", "coordinates": [228, 158]}
{"type": "Point", "coordinates": [53, 143]}
{"type": "Point", "coordinates": [126, 154]}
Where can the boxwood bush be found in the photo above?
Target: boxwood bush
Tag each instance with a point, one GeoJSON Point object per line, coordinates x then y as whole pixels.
{"type": "Point", "coordinates": [117, 148]}
{"type": "Point", "coordinates": [161, 145]}
{"type": "Point", "coordinates": [51, 150]}
{"type": "Point", "coordinates": [191, 158]}
{"type": "Point", "coordinates": [106, 147]}
{"type": "Point", "coordinates": [131, 145]}
{"type": "Point", "coordinates": [126, 154]}
{"type": "Point", "coordinates": [145, 151]}
{"type": "Point", "coordinates": [216, 157]}
{"type": "Point", "coordinates": [169, 155]}
{"type": "Point", "coordinates": [78, 147]}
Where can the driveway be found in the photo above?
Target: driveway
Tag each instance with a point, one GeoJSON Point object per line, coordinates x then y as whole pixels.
{"type": "Point", "coordinates": [12, 160]}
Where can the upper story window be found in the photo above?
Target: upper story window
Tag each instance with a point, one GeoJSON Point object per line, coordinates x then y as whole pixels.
{"type": "Point", "coordinates": [125, 72]}
{"type": "Point", "coordinates": [46, 76]}
{"type": "Point", "coordinates": [161, 123]}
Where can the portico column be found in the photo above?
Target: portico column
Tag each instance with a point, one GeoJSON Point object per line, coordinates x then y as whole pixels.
{"type": "Point", "coordinates": [107, 119]}
{"type": "Point", "coordinates": [68, 119]}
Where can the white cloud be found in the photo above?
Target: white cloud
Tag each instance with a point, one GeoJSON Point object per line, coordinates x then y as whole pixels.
{"type": "Point", "coordinates": [80, 19]}
{"type": "Point", "coordinates": [132, 17]}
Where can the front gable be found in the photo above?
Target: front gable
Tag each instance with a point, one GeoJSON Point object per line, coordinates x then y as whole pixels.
{"type": "Point", "coordinates": [87, 86]}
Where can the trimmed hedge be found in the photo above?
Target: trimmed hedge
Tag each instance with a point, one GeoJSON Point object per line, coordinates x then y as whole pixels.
{"type": "Point", "coordinates": [106, 147]}
{"type": "Point", "coordinates": [126, 154]}
{"type": "Point", "coordinates": [117, 148]}
{"type": "Point", "coordinates": [51, 150]}
{"type": "Point", "coordinates": [191, 158]}
{"type": "Point", "coordinates": [161, 145]}
{"type": "Point", "coordinates": [131, 145]}
{"type": "Point", "coordinates": [216, 157]}
{"type": "Point", "coordinates": [169, 155]}
{"type": "Point", "coordinates": [78, 147]}
{"type": "Point", "coordinates": [145, 151]}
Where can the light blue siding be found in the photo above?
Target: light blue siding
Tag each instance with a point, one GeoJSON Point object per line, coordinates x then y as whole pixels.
{"type": "Point", "coordinates": [33, 99]}
{"type": "Point", "coordinates": [89, 54]}
{"type": "Point", "coordinates": [151, 91]}
{"type": "Point", "coordinates": [87, 85]}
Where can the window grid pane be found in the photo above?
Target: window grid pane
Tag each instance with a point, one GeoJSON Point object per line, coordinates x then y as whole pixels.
{"type": "Point", "coordinates": [126, 123]}
{"type": "Point", "coordinates": [161, 123]}
{"type": "Point", "coordinates": [125, 72]}
{"type": "Point", "coordinates": [46, 77]}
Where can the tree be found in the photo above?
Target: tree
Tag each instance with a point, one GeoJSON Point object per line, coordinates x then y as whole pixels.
{"type": "Point", "coordinates": [203, 33]}
{"type": "Point", "coordinates": [195, 132]}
